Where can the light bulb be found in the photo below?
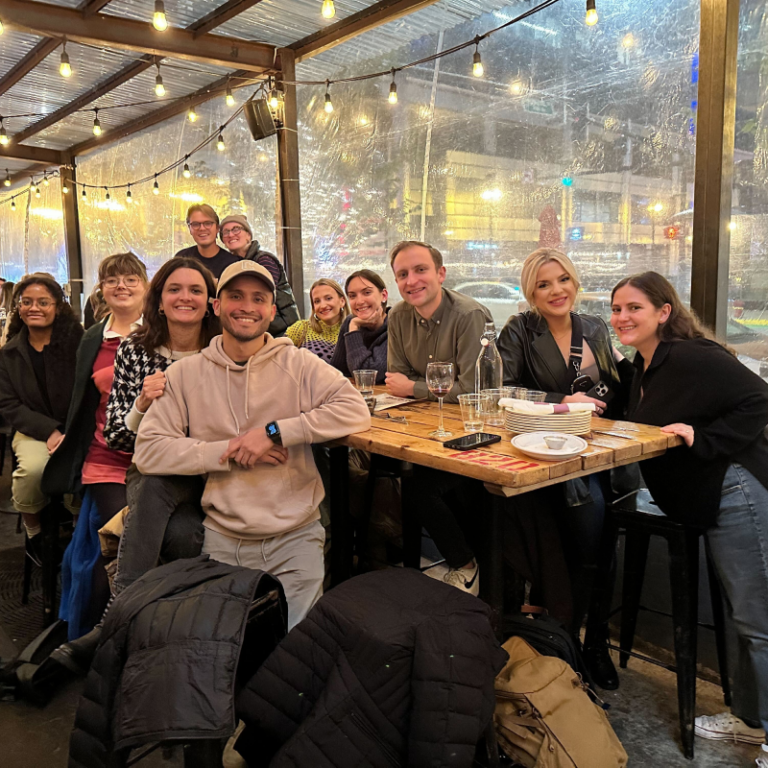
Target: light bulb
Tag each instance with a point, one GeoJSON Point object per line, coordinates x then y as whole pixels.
{"type": "Point", "coordinates": [84, 195]}
{"type": "Point", "coordinates": [2, 28]}
{"type": "Point", "coordinates": [65, 70]}
{"type": "Point", "coordinates": [477, 65]}
{"type": "Point", "coordinates": [591, 18]}
{"type": "Point", "coordinates": [186, 172]}
{"type": "Point", "coordinates": [328, 10]}
{"type": "Point", "coordinates": [159, 21]}
{"type": "Point", "coordinates": [107, 197]}
{"type": "Point", "coordinates": [65, 187]}
{"type": "Point", "coordinates": [128, 196]}
{"type": "Point", "coordinates": [392, 98]}
{"type": "Point", "coordinates": [192, 115]}
{"type": "Point", "coordinates": [220, 144]}
{"type": "Point", "coordinates": [7, 181]}
{"type": "Point", "coordinates": [37, 192]}
{"type": "Point", "coordinates": [328, 105]}
{"type": "Point", "coordinates": [229, 98]}
{"type": "Point", "coordinates": [159, 87]}
{"type": "Point", "coordinates": [156, 187]}
{"type": "Point", "coordinates": [96, 125]}
{"type": "Point", "coordinates": [4, 138]}
{"type": "Point", "coordinates": [46, 183]}
{"type": "Point", "coordinates": [274, 99]}
{"type": "Point", "coordinates": [13, 205]}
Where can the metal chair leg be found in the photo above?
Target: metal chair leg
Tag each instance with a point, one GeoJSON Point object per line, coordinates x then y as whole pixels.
{"type": "Point", "coordinates": [635, 557]}
{"type": "Point", "coordinates": [718, 616]}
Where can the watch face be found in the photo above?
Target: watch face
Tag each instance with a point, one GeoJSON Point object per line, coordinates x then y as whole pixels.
{"type": "Point", "coordinates": [272, 429]}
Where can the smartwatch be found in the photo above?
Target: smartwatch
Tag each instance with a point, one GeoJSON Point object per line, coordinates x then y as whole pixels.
{"type": "Point", "coordinates": [273, 433]}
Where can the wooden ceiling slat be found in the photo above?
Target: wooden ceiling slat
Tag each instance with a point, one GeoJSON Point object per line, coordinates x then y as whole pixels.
{"type": "Point", "coordinates": [127, 34]}
{"type": "Point", "coordinates": [90, 7]}
{"type": "Point", "coordinates": [43, 49]}
{"type": "Point", "coordinates": [221, 15]}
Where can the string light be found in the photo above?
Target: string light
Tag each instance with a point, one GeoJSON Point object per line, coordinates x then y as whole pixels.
{"type": "Point", "coordinates": [7, 181]}
{"type": "Point", "coordinates": [128, 196]}
{"type": "Point", "coordinates": [328, 9]}
{"type": "Point", "coordinates": [65, 69]}
{"type": "Point", "coordinates": [220, 142]}
{"type": "Point", "coordinates": [4, 138]}
{"type": "Point", "coordinates": [477, 65]}
{"type": "Point", "coordinates": [274, 98]}
{"type": "Point", "coordinates": [84, 195]}
{"type": "Point", "coordinates": [392, 98]}
{"type": "Point", "coordinates": [192, 115]}
{"type": "Point", "coordinates": [328, 103]}
{"type": "Point", "coordinates": [96, 123]}
{"type": "Point", "coordinates": [46, 183]}
{"type": "Point", "coordinates": [159, 87]}
{"type": "Point", "coordinates": [13, 205]}
{"type": "Point", "coordinates": [159, 20]}
{"type": "Point", "coordinates": [155, 187]}
{"type": "Point", "coordinates": [37, 192]}
{"type": "Point", "coordinates": [591, 18]}
{"type": "Point", "coordinates": [2, 27]}
{"type": "Point", "coordinates": [65, 187]}
{"type": "Point", "coordinates": [229, 98]}
{"type": "Point", "coordinates": [186, 172]}
{"type": "Point", "coordinates": [107, 197]}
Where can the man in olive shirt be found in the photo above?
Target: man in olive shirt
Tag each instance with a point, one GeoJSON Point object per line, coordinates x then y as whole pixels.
{"type": "Point", "coordinates": [431, 324]}
{"type": "Point", "coordinates": [434, 324]}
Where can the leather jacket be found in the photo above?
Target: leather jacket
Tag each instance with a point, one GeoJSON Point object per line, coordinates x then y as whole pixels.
{"type": "Point", "coordinates": [533, 360]}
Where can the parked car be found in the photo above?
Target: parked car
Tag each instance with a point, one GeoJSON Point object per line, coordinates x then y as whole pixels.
{"type": "Point", "coordinates": [502, 299]}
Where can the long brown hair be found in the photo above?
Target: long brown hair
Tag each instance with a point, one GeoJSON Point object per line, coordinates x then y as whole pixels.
{"type": "Point", "coordinates": [65, 317]}
{"type": "Point", "coordinates": [154, 332]}
{"type": "Point", "coordinates": [682, 322]}
{"type": "Point", "coordinates": [315, 324]}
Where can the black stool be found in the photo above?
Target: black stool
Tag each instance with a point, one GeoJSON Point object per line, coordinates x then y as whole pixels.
{"type": "Point", "coordinates": [639, 517]}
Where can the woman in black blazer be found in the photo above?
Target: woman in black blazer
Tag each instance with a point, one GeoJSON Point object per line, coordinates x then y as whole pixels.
{"type": "Point", "coordinates": [536, 350]}
{"type": "Point", "coordinates": [37, 373]}
{"type": "Point", "coordinates": [691, 386]}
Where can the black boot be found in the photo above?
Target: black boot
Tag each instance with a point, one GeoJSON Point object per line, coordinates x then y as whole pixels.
{"type": "Point", "coordinates": [77, 655]}
{"type": "Point", "coordinates": [598, 658]}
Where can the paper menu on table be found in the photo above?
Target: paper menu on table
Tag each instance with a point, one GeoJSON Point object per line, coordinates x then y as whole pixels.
{"type": "Point", "coordinates": [390, 401]}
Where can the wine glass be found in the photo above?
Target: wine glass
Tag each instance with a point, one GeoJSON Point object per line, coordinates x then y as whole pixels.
{"type": "Point", "coordinates": [440, 377]}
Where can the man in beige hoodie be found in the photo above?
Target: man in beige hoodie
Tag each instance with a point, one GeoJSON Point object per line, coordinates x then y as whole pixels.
{"type": "Point", "coordinates": [245, 412]}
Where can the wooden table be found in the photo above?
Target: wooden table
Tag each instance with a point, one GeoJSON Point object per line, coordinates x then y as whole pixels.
{"type": "Point", "coordinates": [503, 469]}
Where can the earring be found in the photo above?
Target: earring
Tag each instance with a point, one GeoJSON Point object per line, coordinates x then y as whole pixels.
{"type": "Point", "coordinates": [207, 312]}
{"type": "Point", "coordinates": [160, 311]}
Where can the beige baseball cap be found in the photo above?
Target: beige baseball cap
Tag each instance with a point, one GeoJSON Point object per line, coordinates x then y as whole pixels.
{"type": "Point", "coordinates": [244, 267]}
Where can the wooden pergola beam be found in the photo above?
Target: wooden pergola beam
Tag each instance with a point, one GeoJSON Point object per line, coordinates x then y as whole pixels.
{"type": "Point", "coordinates": [43, 49]}
{"type": "Point", "coordinates": [91, 7]}
{"type": "Point", "coordinates": [96, 92]}
{"type": "Point", "coordinates": [362, 21]}
{"type": "Point", "coordinates": [33, 154]}
{"type": "Point", "coordinates": [221, 15]}
{"type": "Point", "coordinates": [159, 115]}
{"type": "Point", "coordinates": [127, 34]}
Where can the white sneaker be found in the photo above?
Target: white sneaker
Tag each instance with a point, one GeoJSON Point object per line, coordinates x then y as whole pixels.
{"type": "Point", "coordinates": [728, 727]}
{"type": "Point", "coordinates": [762, 760]}
{"type": "Point", "coordinates": [465, 579]}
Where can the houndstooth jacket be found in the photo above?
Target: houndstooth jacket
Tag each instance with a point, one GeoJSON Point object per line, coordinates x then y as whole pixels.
{"type": "Point", "coordinates": [132, 365]}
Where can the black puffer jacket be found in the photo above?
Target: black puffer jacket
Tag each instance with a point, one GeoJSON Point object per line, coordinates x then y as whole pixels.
{"type": "Point", "coordinates": [388, 669]}
{"type": "Point", "coordinates": [166, 667]}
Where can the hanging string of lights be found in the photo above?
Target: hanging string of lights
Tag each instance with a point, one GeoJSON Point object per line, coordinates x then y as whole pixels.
{"type": "Point", "coordinates": [267, 88]}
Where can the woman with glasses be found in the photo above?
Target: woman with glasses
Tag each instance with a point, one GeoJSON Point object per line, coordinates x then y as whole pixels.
{"type": "Point", "coordinates": [237, 235]}
{"type": "Point", "coordinates": [85, 462]}
{"type": "Point", "coordinates": [320, 333]}
{"type": "Point", "coordinates": [203, 224]}
{"type": "Point", "coordinates": [37, 373]}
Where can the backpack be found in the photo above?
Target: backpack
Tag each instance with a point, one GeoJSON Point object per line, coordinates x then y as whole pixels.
{"type": "Point", "coordinates": [544, 717]}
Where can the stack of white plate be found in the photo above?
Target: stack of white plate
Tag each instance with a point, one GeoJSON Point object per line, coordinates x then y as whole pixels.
{"type": "Point", "coordinates": [578, 423]}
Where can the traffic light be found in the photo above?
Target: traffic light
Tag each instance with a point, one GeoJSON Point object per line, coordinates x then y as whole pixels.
{"type": "Point", "coordinates": [671, 232]}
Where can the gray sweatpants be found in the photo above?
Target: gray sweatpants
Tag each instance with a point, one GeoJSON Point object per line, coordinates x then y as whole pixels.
{"type": "Point", "coordinates": [295, 558]}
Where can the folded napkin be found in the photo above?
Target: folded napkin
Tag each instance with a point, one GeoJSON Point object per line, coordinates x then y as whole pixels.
{"type": "Point", "coordinates": [537, 409]}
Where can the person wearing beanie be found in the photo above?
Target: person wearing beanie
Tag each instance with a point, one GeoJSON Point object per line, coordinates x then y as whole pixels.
{"type": "Point", "coordinates": [237, 236]}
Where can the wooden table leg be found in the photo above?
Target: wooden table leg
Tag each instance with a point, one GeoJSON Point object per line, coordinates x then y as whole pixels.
{"type": "Point", "coordinates": [341, 523]}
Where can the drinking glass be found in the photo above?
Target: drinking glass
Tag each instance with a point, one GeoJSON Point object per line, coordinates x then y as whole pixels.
{"type": "Point", "coordinates": [519, 393]}
{"type": "Point", "coordinates": [535, 396]}
{"type": "Point", "coordinates": [364, 381]}
{"type": "Point", "coordinates": [494, 415]}
{"type": "Point", "coordinates": [472, 412]}
{"type": "Point", "coordinates": [440, 377]}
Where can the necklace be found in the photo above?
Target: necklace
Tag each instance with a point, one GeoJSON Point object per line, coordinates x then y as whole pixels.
{"type": "Point", "coordinates": [562, 336]}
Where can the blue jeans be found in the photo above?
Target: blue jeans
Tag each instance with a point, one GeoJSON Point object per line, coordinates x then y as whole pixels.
{"type": "Point", "coordinates": [739, 545]}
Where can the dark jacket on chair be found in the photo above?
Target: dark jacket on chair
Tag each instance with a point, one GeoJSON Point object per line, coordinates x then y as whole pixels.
{"type": "Point", "coordinates": [64, 469]}
{"type": "Point", "coordinates": [389, 668]}
{"type": "Point", "coordinates": [167, 663]}
{"type": "Point", "coordinates": [533, 360]}
{"type": "Point", "coordinates": [22, 403]}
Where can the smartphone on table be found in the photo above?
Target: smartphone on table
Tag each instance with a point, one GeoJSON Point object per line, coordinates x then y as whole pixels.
{"type": "Point", "coordinates": [468, 442]}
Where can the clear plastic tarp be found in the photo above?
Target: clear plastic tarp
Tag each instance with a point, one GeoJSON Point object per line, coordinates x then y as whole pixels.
{"type": "Point", "coordinates": [577, 137]}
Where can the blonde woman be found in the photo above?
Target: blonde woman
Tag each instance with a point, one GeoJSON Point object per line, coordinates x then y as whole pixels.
{"type": "Point", "coordinates": [552, 349]}
{"type": "Point", "coordinates": [320, 333]}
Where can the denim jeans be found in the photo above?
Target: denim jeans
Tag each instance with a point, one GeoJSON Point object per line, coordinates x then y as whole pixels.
{"type": "Point", "coordinates": [739, 546]}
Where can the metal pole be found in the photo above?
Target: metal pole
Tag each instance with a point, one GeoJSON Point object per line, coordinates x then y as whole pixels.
{"type": "Point", "coordinates": [718, 44]}
{"type": "Point", "coordinates": [67, 175]}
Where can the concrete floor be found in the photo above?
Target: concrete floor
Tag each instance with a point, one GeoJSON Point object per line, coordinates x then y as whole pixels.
{"type": "Point", "coordinates": [643, 712]}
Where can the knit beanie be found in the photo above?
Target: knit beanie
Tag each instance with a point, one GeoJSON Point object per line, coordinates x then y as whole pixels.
{"type": "Point", "coordinates": [237, 218]}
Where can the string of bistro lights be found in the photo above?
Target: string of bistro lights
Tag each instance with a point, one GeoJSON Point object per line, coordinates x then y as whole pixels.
{"type": "Point", "coordinates": [269, 87]}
